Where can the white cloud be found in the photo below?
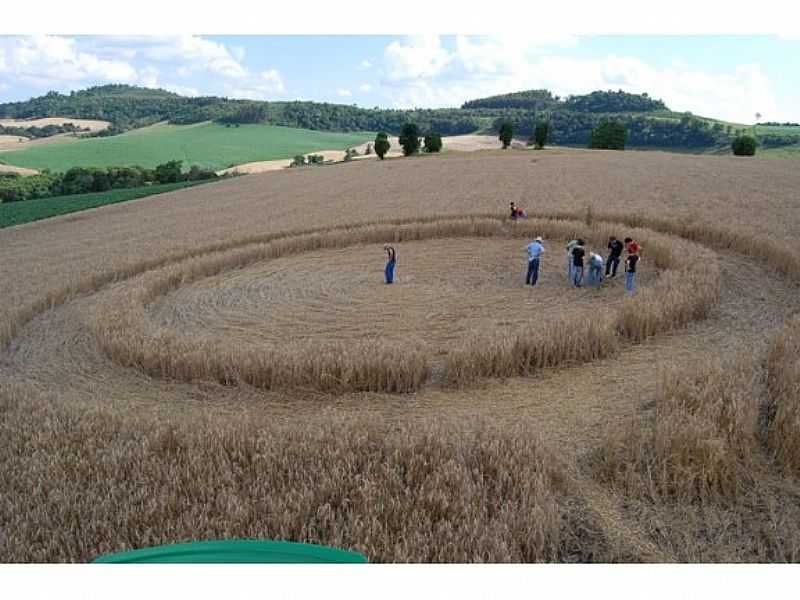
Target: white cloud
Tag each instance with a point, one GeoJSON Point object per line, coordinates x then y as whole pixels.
{"type": "Point", "coordinates": [421, 72]}
{"type": "Point", "coordinates": [183, 90]}
{"type": "Point", "coordinates": [420, 56]}
{"type": "Point", "coordinates": [265, 86]}
{"type": "Point", "coordinates": [364, 64]}
{"type": "Point", "coordinates": [45, 59]}
{"type": "Point", "coordinates": [238, 52]}
{"type": "Point", "coordinates": [148, 77]}
{"type": "Point", "coordinates": [196, 53]}
{"type": "Point", "coordinates": [273, 81]}
{"type": "Point", "coordinates": [344, 93]}
{"type": "Point", "coordinates": [365, 87]}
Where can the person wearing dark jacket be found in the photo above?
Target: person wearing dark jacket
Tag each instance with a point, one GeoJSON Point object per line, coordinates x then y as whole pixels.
{"type": "Point", "coordinates": [578, 253]}
{"type": "Point", "coordinates": [615, 248]}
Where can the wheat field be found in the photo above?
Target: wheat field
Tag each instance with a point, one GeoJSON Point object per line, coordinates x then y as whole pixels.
{"type": "Point", "coordinates": [226, 362]}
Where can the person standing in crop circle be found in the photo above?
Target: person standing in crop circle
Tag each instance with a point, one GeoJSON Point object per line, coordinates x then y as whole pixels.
{"type": "Point", "coordinates": [615, 248]}
{"type": "Point", "coordinates": [578, 253]}
{"type": "Point", "coordinates": [535, 249]}
{"type": "Point", "coordinates": [630, 272]}
{"type": "Point", "coordinates": [570, 260]}
{"type": "Point", "coordinates": [390, 264]}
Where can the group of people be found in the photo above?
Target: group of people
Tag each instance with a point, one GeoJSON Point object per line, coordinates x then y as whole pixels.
{"type": "Point", "coordinates": [577, 258]}
{"type": "Point", "coordinates": [577, 261]}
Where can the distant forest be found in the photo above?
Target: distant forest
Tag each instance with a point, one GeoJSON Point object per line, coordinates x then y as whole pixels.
{"type": "Point", "coordinates": [649, 121]}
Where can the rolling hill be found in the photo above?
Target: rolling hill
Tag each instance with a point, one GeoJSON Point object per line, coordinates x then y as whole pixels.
{"type": "Point", "coordinates": [220, 132]}
{"type": "Point", "coordinates": [208, 145]}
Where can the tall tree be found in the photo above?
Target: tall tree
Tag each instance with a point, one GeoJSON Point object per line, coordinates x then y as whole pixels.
{"type": "Point", "coordinates": [609, 135]}
{"type": "Point", "coordinates": [506, 133]}
{"type": "Point", "coordinates": [541, 134]}
{"type": "Point", "coordinates": [382, 144]}
{"type": "Point", "coordinates": [409, 139]}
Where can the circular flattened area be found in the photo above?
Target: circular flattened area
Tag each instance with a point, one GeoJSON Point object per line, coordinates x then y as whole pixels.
{"type": "Point", "coordinates": [445, 289]}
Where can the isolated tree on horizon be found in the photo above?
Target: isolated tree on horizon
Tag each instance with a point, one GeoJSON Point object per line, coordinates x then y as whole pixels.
{"type": "Point", "coordinates": [744, 145]}
{"type": "Point", "coordinates": [541, 134]}
{"type": "Point", "coordinates": [382, 144]}
{"type": "Point", "coordinates": [506, 134]}
{"type": "Point", "coordinates": [409, 139]}
{"type": "Point", "coordinates": [433, 142]}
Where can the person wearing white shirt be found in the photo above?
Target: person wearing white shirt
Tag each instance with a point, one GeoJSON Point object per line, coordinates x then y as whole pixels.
{"type": "Point", "coordinates": [595, 269]}
{"type": "Point", "coordinates": [535, 249]}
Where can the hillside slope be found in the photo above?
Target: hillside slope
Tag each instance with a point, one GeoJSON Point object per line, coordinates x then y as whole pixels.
{"type": "Point", "coordinates": [208, 145]}
{"type": "Point", "coordinates": [649, 121]}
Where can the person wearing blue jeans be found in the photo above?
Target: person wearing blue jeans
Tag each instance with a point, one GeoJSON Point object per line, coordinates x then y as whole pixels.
{"type": "Point", "coordinates": [595, 269]}
{"type": "Point", "coordinates": [630, 272]}
{"type": "Point", "coordinates": [389, 271]}
{"type": "Point", "coordinates": [578, 252]}
{"type": "Point", "coordinates": [615, 248]}
{"type": "Point", "coordinates": [535, 249]}
{"type": "Point", "coordinates": [570, 270]}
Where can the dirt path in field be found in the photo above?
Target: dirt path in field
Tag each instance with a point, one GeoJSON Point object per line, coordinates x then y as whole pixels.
{"type": "Point", "coordinates": [18, 170]}
{"type": "Point", "coordinates": [454, 143]}
{"type": "Point", "coordinates": [90, 124]}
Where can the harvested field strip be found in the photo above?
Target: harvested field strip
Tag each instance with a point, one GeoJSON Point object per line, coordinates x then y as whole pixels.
{"type": "Point", "coordinates": [124, 333]}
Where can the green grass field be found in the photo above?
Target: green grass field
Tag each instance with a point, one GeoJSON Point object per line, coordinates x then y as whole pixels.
{"type": "Point", "coordinates": [17, 213]}
{"type": "Point", "coordinates": [209, 145]}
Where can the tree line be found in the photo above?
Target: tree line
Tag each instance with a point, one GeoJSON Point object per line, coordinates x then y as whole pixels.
{"type": "Point", "coordinates": [83, 180]}
{"type": "Point", "coordinates": [595, 102]}
{"type": "Point", "coordinates": [572, 119]}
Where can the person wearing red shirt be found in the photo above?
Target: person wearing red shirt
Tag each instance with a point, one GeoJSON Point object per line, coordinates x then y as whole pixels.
{"type": "Point", "coordinates": [632, 246]}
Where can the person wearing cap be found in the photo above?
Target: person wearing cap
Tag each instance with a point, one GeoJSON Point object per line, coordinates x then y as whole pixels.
{"type": "Point", "coordinates": [390, 264]}
{"type": "Point", "coordinates": [535, 249]}
{"type": "Point", "coordinates": [595, 269]}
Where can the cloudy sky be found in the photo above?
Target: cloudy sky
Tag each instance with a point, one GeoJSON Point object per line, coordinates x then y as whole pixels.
{"type": "Point", "coordinates": [729, 77]}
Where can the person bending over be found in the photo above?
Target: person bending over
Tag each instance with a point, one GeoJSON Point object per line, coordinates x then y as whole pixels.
{"type": "Point", "coordinates": [595, 269]}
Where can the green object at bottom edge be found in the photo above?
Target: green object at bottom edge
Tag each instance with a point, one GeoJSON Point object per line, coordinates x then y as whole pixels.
{"type": "Point", "coordinates": [236, 551]}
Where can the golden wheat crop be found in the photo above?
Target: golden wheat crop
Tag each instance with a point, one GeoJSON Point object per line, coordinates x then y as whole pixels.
{"type": "Point", "coordinates": [643, 435]}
